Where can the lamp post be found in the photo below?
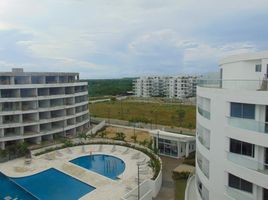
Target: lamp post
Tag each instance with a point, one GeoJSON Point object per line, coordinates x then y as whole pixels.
{"type": "Point", "coordinates": [138, 167]}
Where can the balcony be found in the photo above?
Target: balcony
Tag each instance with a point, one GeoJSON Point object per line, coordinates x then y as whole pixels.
{"type": "Point", "coordinates": [248, 124]}
{"type": "Point", "coordinates": [248, 162]}
{"type": "Point", "coordinates": [203, 112]}
{"type": "Point", "coordinates": [204, 142]}
{"type": "Point", "coordinates": [238, 194]}
{"type": "Point", "coordinates": [203, 164]}
{"type": "Point", "coordinates": [254, 85]}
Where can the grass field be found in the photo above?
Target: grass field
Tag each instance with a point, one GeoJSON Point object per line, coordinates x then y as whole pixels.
{"type": "Point", "coordinates": [157, 113]}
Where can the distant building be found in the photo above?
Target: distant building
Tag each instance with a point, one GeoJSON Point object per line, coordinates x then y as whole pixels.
{"type": "Point", "coordinates": [37, 106]}
{"type": "Point", "coordinates": [179, 87]}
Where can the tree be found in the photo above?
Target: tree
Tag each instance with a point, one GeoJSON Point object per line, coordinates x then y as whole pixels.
{"type": "Point", "coordinates": [181, 115]}
{"type": "Point", "coordinates": [120, 136]}
{"type": "Point", "coordinates": [82, 136]}
{"type": "Point", "coordinates": [103, 134]}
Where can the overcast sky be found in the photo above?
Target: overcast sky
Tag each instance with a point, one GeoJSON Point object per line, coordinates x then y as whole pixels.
{"type": "Point", "coordinates": [126, 38]}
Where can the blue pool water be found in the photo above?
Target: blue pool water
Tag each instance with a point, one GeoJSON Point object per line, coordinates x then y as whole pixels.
{"type": "Point", "coordinates": [105, 165]}
{"type": "Point", "coordinates": [52, 184]}
{"type": "Point", "coordinates": [9, 188]}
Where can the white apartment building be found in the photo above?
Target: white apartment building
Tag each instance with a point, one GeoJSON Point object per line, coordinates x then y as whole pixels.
{"type": "Point", "coordinates": [232, 132]}
{"type": "Point", "coordinates": [179, 87]}
{"type": "Point", "coordinates": [38, 106]}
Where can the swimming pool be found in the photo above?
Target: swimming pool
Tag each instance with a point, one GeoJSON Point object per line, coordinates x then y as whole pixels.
{"type": "Point", "coordinates": [52, 184]}
{"type": "Point", "coordinates": [8, 188]}
{"type": "Point", "coordinates": [105, 165]}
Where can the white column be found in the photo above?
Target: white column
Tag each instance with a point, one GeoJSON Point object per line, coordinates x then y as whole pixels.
{"type": "Point", "coordinates": [179, 149]}
{"type": "Point", "coordinates": [187, 150]}
{"type": "Point", "coordinates": [2, 145]}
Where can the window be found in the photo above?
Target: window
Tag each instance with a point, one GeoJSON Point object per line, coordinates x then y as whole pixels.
{"type": "Point", "coordinates": [258, 68]}
{"type": "Point", "coordinates": [240, 184]}
{"type": "Point", "coordinates": [243, 110]}
{"type": "Point", "coordinates": [242, 148]}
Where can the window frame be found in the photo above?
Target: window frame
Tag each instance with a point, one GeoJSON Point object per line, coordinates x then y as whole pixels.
{"type": "Point", "coordinates": [258, 68]}
{"type": "Point", "coordinates": [241, 145]}
{"type": "Point", "coordinates": [243, 110]}
{"type": "Point", "coordinates": [242, 184]}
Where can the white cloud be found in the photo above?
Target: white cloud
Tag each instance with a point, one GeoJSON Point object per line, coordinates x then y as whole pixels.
{"type": "Point", "coordinates": [121, 38]}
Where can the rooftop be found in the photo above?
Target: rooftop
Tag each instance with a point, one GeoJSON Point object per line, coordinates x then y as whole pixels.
{"type": "Point", "coordinates": [244, 57]}
{"type": "Point", "coordinates": [20, 72]}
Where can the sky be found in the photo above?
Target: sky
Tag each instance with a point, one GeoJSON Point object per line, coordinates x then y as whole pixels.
{"type": "Point", "coordinates": [128, 38]}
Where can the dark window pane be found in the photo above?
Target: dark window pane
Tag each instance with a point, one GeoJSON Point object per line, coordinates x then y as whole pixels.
{"type": "Point", "coordinates": [235, 146]}
{"type": "Point", "coordinates": [234, 181]}
{"type": "Point", "coordinates": [265, 193]}
{"type": "Point", "coordinates": [236, 110]}
{"type": "Point", "coordinates": [247, 149]}
{"type": "Point", "coordinates": [246, 186]}
{"type": "Point", "coordinates": [249, 111]}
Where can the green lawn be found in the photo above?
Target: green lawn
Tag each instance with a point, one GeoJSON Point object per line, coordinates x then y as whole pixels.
{"type": "Point", "coordinates": [180, 186]}
{"type": "Point", "coordinates": [157, 113]}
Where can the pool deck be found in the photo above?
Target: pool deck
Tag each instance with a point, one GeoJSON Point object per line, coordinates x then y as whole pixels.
{"type": "Point", "coordinates": [106, 188]}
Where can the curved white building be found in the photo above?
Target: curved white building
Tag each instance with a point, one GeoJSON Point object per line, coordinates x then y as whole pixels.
{"type": "Point", "coordinates": [232, 131]}
{"type": "Point", "coordinates": [38, 106]}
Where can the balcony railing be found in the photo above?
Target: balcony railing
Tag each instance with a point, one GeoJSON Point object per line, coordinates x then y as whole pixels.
{"type": "Point", "coordinates": [248, 163]}
{"type": "Point", "coordinates": [203, 165]}
{"type": "Point", "coordinates": [204, 142]}
{"type": "Point", "coordinates": [203, 112]}
{"type": "Point", "coordinates": [238, 194]}
{"type": "Point", "coordinates": [260, 85]}
{"type": "Point", "coordinates": [248, 124]}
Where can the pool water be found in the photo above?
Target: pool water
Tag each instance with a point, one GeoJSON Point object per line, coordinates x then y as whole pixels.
{"type": "Point", "coordinates": [105, 165]}
{"type": "Point", "coordinates": [8, 188]}
{"type": "Point", "coordinates": [52, 184]}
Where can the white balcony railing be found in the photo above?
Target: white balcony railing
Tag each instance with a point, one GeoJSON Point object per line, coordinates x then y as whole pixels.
{"type": "Point", "coordinates": [255, 85]}
{"type": "Point", "coordinates": [203, 112]}
{"type": "Point", "coordinates": [238, 194]}
{"type": "Point", "coordinates": [249, 163]}
{"type": "Point", "coordinates": [248, 124]}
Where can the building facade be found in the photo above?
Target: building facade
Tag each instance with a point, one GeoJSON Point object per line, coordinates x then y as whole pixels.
{"type": "Point", "coordinates": [232, 131]}
{"type": "Point", "coordinates": [173, 144]}
{"type": "Point", "coordinates": [179, 87]}
{"type": "Point", "coordinates": [38, 106]}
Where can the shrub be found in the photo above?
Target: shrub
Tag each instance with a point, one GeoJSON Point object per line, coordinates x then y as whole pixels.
{"type": "Point", "coordinates": [180, 175]}
{"type": "Point", "coordinates": [120, 136]}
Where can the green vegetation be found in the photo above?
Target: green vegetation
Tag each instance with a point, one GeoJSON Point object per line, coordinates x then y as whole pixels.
{"type": "Point", "coordinates": [180, 186]}
{"type": "Point", "coordinates": [190, 160]}
{"type": "Point", "coordinates": [14, 151]}
{"type": "Point", "coordinates": [156, 113]}
{"type": "Point", "coordinates": [104, 87]}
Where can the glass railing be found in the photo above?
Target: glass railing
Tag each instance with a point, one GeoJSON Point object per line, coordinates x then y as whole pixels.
{"type": "Point", "coordinates": [238, 194]}
{"type": "Point", "coordinates": [248, 124]}
{"type": "Point", "coordinates": [203, 164]}
{"type": "Point", "coordinates": [203, 112]}
{"type": "Point", "coordinates": [261, 84]}
{"type": "Point", "coordinates": [203, 191]}
{"type": "Point", "coordinates": [248, 162]}
{"type": "Point", "coordinates": [204, 142]}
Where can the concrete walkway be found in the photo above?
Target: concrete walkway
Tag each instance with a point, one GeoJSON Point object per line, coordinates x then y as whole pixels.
{"type": "Point", "coordinates": [167, 191]}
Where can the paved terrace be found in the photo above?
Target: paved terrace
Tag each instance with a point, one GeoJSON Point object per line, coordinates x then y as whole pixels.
{"type": "Point", "coordinates": [106, 189]}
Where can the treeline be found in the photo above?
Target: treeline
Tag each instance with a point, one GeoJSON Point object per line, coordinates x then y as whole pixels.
{"type": "Point", "coordinates": [103, 87]}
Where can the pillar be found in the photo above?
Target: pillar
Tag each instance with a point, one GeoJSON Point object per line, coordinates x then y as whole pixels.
{"type": "Point", "coordinates": [187, 150]}
{"type": "Point", "coordinates": [2, 145]}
